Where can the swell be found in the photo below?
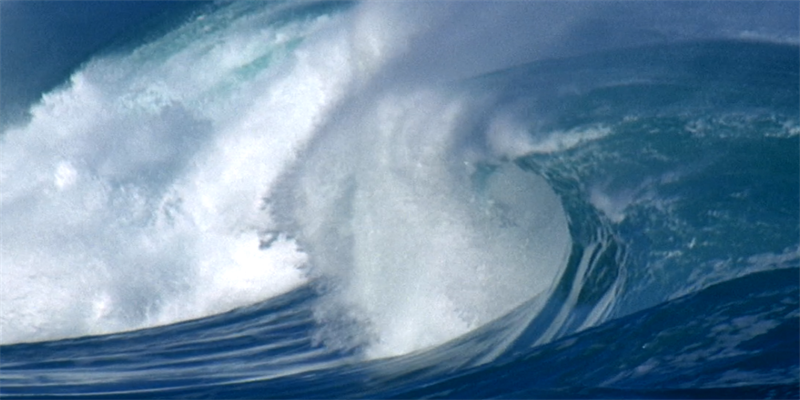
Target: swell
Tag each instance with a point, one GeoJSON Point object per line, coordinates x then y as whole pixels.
{"type": "Point", "coordinates": [262, 341]}
{"type": "Point", "coordinates": [633, 140]}
{"type": "Point", "coordinates": [652, 366]}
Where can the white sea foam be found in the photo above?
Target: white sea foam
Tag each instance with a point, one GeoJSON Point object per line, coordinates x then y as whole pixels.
{"type": "Point", "coordinates": [136, 194]}
{"type": "Point", "coordinates": [420, 248]}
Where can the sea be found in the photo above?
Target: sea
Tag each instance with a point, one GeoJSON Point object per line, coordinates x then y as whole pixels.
{"type": "Point", "coordinates": [304, 199]}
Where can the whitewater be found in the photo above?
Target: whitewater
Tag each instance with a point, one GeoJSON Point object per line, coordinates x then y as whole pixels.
{"type": "Point", "coordinates": [411, 199]}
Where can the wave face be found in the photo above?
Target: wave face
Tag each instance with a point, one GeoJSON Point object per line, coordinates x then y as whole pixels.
{"type": "Point", "coordinates": [261, 199]}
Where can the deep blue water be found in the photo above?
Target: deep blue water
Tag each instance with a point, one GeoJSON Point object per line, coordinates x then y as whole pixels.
{"type": "Point", "coordinates": [411, 200]}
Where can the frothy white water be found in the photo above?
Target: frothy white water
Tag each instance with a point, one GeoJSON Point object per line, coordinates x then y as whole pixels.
{"type": "Point", "coordinates": [141, 193]}
{"type": "Point", "coordinates": [134, 195]}
{"type": "Point", "coordinates": [421, 243]}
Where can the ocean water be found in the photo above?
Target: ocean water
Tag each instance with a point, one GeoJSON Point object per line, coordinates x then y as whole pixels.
{"type": "Point", "coordinates": [411, 200]}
